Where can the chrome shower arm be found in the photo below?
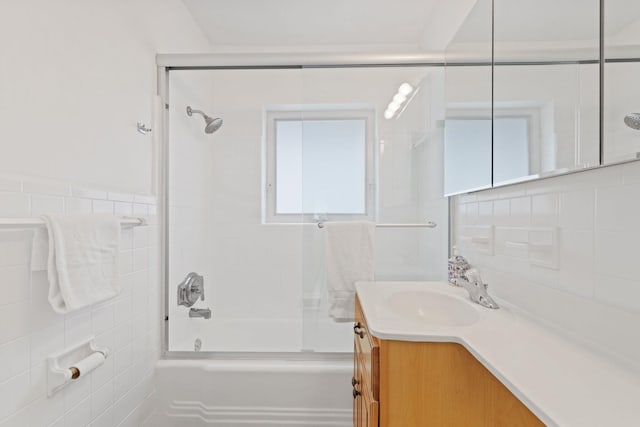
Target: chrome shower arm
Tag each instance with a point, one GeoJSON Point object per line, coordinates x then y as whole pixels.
{"type": "Point", "coordinates": [190, 112]}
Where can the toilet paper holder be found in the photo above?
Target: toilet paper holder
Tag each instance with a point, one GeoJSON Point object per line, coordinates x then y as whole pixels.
{"type": "Point", "coordinates": [72, 363]}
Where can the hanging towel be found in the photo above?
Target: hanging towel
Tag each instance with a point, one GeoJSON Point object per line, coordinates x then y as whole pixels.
{"type": "Point", "coordinates": [349, 257]}
{"type": "Point", "coordinates": [40, 249]}
{"type": "Point", "coordinates": [82, 264]}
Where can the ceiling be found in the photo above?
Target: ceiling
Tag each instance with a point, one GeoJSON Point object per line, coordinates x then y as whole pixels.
{"type": "Point", "coordinates": [398, 25]}
{"type": "Point", "coordinates": [306, 24]}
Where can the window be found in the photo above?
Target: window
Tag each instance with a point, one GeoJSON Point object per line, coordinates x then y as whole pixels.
{"type": "Point", "coordinates": [319, 165]}
{"type": "Point", "coordinates": [467, 154]}
{"type": "Point", "coordinates": [510, 148]}
{"type": "Point", "coordinates": [480, 152]}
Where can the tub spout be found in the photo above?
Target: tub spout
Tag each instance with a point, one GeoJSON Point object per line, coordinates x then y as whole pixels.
{"type": "Point", "coordinates": [200, 312]}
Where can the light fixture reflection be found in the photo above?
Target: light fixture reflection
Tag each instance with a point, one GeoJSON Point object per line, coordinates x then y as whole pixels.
{"type": "Point", "coordinates": [398, 100]}
{"type": "Point", "coordinates": [405, 89]}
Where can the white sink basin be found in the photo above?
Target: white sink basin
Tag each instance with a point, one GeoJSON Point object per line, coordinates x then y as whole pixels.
{"type": "Point", "coordinates": [433, 308]}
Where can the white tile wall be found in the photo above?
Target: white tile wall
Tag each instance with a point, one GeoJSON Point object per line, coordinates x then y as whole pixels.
{"type": "Point", "coordinates": [8, 184]}
{"type": "Point", "coordinates": [565, 250]}
{"type": "Point", "coordinates": [120, 392]}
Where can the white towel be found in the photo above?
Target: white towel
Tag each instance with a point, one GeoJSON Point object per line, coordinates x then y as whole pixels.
{"type": "Point", "coordinates": [82, 261]}
{"type": "Point", "coordinates": [350, 258]}
{"type": "Point", "coordinates": [39, 249]}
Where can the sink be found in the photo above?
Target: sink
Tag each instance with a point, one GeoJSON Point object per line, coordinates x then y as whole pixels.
{"type": "Point", "coordinates": [433, 308]}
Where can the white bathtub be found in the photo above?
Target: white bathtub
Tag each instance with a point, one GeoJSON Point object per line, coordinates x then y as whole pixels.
{"type": "Point", "coordinates": [251, 393]}
{"type": "Point", "coordinates": [312, 331]}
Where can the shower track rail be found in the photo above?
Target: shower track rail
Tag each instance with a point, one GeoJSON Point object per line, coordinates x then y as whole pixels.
{"type": "Point", "coordinates": [38, 222]}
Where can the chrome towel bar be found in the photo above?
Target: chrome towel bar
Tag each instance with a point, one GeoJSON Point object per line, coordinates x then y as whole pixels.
{"type": "Point", "coordinates": [428, 224]}
{"type": "Point", "coordinates": [39, 222]}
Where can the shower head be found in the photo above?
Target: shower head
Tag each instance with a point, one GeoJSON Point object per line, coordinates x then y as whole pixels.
{"type": "Point", "coordinates": [212, 125]}
{"type": "Point", "coordinates": [633, 120]}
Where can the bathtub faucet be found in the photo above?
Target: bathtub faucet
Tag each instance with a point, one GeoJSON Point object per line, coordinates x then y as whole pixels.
{"type": "Point", "coordinates": [200, 312]}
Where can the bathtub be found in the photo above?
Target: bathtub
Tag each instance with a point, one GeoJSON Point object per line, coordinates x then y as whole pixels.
{"type": "Point", "coordinates": [248, 335]}
{"type": "Point", "coordinates": [251, 393]}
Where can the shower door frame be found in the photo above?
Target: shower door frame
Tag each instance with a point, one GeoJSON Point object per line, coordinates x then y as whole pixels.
{"type": "Point", "coordinates": [168, 62]}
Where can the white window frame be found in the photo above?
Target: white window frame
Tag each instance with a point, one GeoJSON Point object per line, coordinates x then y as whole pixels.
{"type": "Point", "coordinates": [275, 114]}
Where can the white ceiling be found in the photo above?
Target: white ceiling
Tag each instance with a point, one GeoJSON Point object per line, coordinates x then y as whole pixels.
{"type": "Point", "coordinates": [396, 25]}
{"type": "Point", "coordinates": [310, 23]}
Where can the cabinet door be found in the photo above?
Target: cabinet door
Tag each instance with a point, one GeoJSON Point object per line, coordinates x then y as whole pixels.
{"type": "Point", "coordinates": [355, 380]}
{"type": "Point", "coordinates": [365, 408]}
{"type": "Point", "coordinates": [368, 348]}
{"type": "Point", "coordinates": [366, 378]}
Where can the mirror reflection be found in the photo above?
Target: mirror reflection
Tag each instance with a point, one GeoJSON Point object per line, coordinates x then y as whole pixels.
{"type": "Point", "coordinates": [538, 110]}
{"type": "Point", "coordinates": [467, 129]}
{"type": "Point", "coordinates": [546, 88]}
{"type": "Point", "coordinates": [621, 107]}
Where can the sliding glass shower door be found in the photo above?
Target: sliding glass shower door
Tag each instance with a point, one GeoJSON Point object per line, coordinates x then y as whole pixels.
{"type": "Point", "coordinates": [296, 147]}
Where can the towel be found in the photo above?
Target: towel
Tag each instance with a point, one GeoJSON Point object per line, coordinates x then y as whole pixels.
{"type": "Point", "coordinates": [349, 256]}
{"type": "Point", "coordinates": [82, 264]}
{"type": "Point", "coordinates": [39, 249]}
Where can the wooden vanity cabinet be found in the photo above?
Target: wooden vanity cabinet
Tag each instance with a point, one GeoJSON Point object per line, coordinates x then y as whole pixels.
{"type": "Point", "coordinates": [365, 408]}
{"type": "Point", "coordinates": [420, 384]}
{"type": "Point", "coordinates": [365, 379]}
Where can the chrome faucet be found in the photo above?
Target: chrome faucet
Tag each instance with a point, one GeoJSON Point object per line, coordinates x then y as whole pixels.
{"type": "Point", "coordinates": [190, 289]}
{"type": "Point", "coordinates": [200, 312]}
{"type": "Point", "coordinates": [463, 275]}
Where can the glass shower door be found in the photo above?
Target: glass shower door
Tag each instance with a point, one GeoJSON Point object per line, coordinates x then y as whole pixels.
{"type": "Point", "coordinates": [401, 166]}
{"type": "Point", "coordinates": [251, 268]}
{"type": "Point", "coordinates": [297, 146]}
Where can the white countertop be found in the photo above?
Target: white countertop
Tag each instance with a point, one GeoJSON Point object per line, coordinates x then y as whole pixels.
{"type": "Point", "coordinates": [561, 381]}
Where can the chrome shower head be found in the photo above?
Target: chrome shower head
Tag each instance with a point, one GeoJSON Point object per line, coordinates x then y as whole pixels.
{"type": "Point", "coordinates": [212, 125]}
{"type": "Point", "coordinates": [633, 120]}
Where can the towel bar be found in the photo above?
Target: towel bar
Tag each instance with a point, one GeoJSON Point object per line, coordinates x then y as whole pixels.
{"type": "Point", "coordinates": [428, 224]}
{"type": "Point", "coordinates": [38, 222]}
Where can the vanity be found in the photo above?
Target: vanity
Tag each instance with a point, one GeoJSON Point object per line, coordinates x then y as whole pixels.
{"type": "Point", "coordinates": [405, 383]}
{"type": "Point", "coordinates": [426, 356]}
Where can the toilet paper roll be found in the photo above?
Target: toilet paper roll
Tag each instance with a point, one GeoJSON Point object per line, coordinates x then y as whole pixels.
{"type": "Point", "coordinates": [89, 363]}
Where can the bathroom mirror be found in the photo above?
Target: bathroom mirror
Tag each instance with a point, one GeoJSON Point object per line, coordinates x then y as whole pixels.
{"type": "Point", "coordinates": [621, 127]}
{"type": "Point", "coordinates": [545, 88]}
{"type": "Point", "coordinates": [467, 127]}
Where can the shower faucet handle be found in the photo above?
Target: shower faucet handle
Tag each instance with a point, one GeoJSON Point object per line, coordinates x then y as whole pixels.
{"type": "Point", "coordinates": [190, 289]}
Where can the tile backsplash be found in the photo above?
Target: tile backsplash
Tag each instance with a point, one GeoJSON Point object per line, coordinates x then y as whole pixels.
{"type": "Point", "coordinates": [120, 392]}
{"type": "Point", "coordinates": [563, 249]}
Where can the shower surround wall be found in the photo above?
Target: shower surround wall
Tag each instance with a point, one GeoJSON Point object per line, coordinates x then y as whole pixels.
{"type": "Point", "coordinates": [564, 249]}
{"type": "Point", "coordinates": [120, 392]}
{"type": "Point", "coordinates": [189, 181]}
